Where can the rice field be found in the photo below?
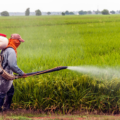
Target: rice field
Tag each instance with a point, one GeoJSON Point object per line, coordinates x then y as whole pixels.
{"type": "Point", "coordinates": [52, 41]}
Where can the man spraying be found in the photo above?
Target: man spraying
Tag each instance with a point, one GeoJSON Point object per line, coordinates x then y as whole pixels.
{"type": "Point", "coordinates": [9, 64]}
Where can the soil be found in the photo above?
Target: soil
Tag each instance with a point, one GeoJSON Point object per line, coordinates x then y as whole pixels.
{"type": "Point", "coordinates": [37, 115]}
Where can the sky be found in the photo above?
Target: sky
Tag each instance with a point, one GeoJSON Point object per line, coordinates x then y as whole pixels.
{"type": "Point", "coordinates": [58, 5]}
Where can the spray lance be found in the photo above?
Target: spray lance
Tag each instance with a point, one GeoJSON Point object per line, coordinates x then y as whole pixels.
{"type": "Point", "coordinates": [8, 76]}
{"type": "Point", "coordinates": [44, 71]}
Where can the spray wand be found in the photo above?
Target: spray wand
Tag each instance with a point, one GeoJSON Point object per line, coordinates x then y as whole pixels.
{"type": "Point", "coordinates": [42, 72]}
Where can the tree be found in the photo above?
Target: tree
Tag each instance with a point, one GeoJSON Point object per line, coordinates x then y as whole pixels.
{"type": "Point", "coordinates": [105, 12]}
{"type": "Point", "coordinates": [89, 12]}
{"type": "Point", "coordinates": [4, 13]}
{"type": "Point", "coordinates": [63, 13]}
{"type": "Point", "coordinates": [48, 13]}
{"type": "Point", "coordinates": [71, 13]}
{"type": "Point", "coordinates": [38, 12]}
{"type": "Point", "coordinates": [82, 12]}
{"type": "Point", "coordinates": [85, 12]}
{"type": "Point", "coordinates": [112, 12]}
{"type": "Point", "coordinates": [27, 12]}
{"type": "Point", "coordinates": [66, 12]}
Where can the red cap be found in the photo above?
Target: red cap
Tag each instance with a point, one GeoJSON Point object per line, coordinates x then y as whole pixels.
{"type": "Point", "coordinates": [3, 35]}
{"type": "Point", "coordinates": [17, 36]}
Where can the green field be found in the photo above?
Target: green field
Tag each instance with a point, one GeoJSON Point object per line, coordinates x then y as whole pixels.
{"type": "Point", "coordinates": [52, 41]}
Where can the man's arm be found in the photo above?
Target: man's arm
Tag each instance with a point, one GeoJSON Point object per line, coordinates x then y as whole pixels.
{"type": "Point", "coordinates": [12, 63]}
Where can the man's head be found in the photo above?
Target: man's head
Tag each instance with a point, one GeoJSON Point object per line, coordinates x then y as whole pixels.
{"type": "Point", "coordinates": [17, 36]}
{"type": "Point", "coordinates": [14, 41]}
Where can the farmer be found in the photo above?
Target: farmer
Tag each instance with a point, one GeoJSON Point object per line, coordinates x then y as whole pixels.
{"type": "Point", "coordinates": [10, 65]}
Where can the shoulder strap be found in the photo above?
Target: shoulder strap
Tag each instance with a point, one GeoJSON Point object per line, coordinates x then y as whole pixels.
{"type": "Point", "coordinates": [2, 58]}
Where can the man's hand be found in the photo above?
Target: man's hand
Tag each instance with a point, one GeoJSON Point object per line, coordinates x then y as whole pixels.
{"type": "Point", "coordinates": [24, 75]}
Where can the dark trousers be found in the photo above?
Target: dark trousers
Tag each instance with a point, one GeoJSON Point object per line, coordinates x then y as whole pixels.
{"type": "Point", "coordinates": [6, 99]}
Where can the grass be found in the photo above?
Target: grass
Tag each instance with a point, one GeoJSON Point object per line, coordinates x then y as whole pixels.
{"type": "Point", "coordinates": [52, 41]}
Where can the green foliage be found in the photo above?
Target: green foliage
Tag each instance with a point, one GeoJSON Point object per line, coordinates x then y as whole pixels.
{"type": "Point", "coordinates": [4, 13]}
{"type": "Point", "coordinates": [66, 12]}
{"type": "Point", "coordinates": [38, 13]}
{"type": "Point", "coordinates": [71, 13]}
{"type": "Point", "coordinates": [48, 13]}
{"type": "Point", "coordinates": [89, 12]}
{"type": "Point", "coordinates": [105, 12]}
{"type": "Point", "coordinates": [52, 41]}
{"type": "Point", "coordinates": [82, 12]}
{"type": "Point", "coordinates": [112, 12]}
{"type": "Point", "coordinates": [27, 12]}
{"type": "Point", "coordinates": [63, 13]}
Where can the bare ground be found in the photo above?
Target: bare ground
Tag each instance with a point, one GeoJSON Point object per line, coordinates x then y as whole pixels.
{"type": "Point", "coordinates": [21, 114]}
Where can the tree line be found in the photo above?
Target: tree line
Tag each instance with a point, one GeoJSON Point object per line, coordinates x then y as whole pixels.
{"type": "Point", "coordinates": [104, 12]}
{"type": "Point", "coordinates": [27, 12]}
{"type": "Point", "coordinates": [38, 12]}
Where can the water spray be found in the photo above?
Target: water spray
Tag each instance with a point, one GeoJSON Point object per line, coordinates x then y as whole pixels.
{"type": "Point", "coordinates": [99, 72]}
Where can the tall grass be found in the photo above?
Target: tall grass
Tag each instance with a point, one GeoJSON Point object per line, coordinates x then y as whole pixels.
{"type": "Point", "coordinates": [52, 41]}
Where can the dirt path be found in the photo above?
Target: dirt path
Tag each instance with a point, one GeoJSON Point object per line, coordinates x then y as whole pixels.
{"type": "Point", "coordinates": [21, 114]}
{"type": "Point", "coordinates": [78, 118]}
{"type": "Point", "coordinates": [58, 118]}
{"type": "Point", "coordinates": [107, 117]}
